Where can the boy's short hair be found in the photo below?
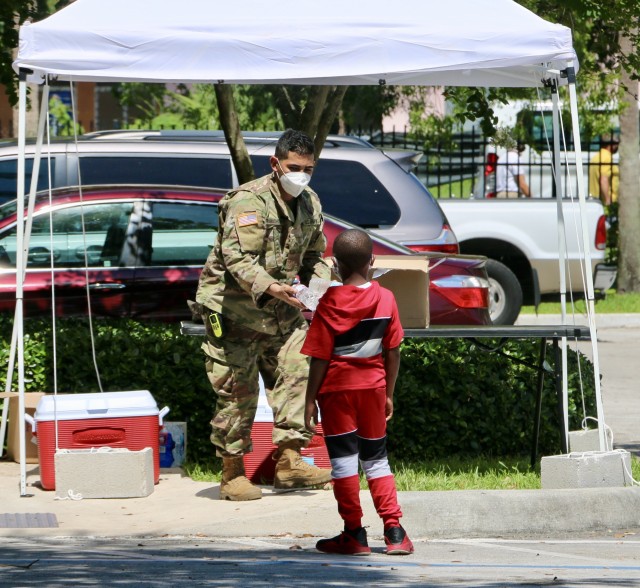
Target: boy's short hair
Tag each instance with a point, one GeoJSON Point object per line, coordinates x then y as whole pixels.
{"type": "Point", "coordinates": [353, 248]}
{"type": "Point", "coordinates": [296, 141]}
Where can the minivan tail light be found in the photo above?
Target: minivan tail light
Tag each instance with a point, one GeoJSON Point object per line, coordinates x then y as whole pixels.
{"type": "Point", "coordinates": [438, 247]}
{"type": "Point", "coordinates": [601, 233]}
{"type": "Point", "coordinates": [464, 291]}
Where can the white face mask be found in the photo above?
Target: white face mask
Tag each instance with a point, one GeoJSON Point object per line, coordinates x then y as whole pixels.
{"type": "Point", "coordinates": [293, 183]}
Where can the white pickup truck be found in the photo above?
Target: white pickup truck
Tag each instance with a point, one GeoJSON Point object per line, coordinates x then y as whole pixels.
{"type": "Point", "coordinates": [520, 238]}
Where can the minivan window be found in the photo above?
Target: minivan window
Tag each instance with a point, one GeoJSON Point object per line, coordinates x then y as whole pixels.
{"type": "Point", "coordinates": [183, 233]}
{"type": "Point", "coordinates": [348, 190]}
{"type": "Point", "coordinates": [9, 177]}
{"type": "Point", "coordinates": [105, 228]}
{"type": "Point", "coordinates": [208, 172]}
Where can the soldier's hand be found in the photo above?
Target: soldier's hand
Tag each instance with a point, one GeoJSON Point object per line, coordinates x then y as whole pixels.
{"type": "Point", "coordinates": [285, 293]}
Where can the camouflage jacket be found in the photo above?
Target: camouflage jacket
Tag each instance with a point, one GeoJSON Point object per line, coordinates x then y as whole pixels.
{"type": "Point", "coordinates": [261, 241]}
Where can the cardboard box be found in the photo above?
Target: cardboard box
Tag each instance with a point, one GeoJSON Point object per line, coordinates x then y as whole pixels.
{"type": "Point", "coordinates": [408, 278]}
{"type": "Point", "coordinates": [13, 431]}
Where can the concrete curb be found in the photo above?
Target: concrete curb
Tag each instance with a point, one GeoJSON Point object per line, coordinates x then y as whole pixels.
{"type": "Point", "coordinates": [520, 513]}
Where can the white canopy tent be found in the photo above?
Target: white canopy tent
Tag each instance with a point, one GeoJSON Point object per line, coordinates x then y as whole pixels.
{"type": "Point", "coordinates": [460, 42]}
{"type": "Point", "coordinates": [454, 43]}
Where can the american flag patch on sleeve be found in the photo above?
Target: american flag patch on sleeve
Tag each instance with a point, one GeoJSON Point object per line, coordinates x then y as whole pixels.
{"type": "Point", "coordinates": [247, 218]}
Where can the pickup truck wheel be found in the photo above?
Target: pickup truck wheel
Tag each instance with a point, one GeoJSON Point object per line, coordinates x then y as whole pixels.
{"type": "Point", "coordinates": [505, 294]}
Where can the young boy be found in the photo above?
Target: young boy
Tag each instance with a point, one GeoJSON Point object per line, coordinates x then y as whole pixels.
{"type": "Point", "coordinates": [354, 343]}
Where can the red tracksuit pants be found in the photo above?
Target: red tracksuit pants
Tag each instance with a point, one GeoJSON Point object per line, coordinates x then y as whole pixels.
{"type": "Point", "coordinates": [355, 430]}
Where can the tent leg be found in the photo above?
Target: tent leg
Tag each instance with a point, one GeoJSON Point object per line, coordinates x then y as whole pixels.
{"type": "Point", "coordinates": [3, 424]}
{"type": "Point", "coordinates": [562, 256]}
{"type": "Point", "coordinates": [25, 247]}
{"type": "Point", "coordinates": [20, 257]}
{"type": "Point", "coordinates": [591, 312]}
{"type": "Point", "coordinates": [7, 388]}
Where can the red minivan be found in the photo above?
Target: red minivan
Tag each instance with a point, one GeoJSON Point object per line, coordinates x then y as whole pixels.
{"type": "Point", "coordinates": [137, 251]}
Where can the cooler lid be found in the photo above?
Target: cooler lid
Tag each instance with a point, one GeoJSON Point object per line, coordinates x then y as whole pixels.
{"type": "Point", "coordinates": [96, 406]}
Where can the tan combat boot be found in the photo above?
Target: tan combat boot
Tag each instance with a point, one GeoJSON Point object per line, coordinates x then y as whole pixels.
{"type": "Point", "coordinates": [293, 472]}
{"type": "Point", "coordinates": [235, 485]}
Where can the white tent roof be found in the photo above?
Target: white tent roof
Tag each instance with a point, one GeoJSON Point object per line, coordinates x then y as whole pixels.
{"type": "Point", "coordinates": [420, 42]}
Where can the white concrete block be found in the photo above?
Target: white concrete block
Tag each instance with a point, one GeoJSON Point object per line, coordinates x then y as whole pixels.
{"type": "Point", "coordinates": [580, 441]}
{"type": "Point", "coordinates": [103, 473]}
{"type": "Point", "coordinates": [586, 470]}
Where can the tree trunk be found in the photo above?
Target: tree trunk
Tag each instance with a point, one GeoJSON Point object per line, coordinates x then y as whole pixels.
{"type": "Point", "coordinates": [328, 116]}
{"type": "Point", "coordinates": [310, 116]}
{"type": "Point", "coordinates": [233, 133]}
{"type": "Point", "coordinates": [316, 119]}
{"type": "Point", "coordinates": [629, 193]}
{"type": "Point", "coordinates": [286, 107]}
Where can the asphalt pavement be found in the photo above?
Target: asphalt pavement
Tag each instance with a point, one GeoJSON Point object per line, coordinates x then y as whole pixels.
{"type": "Point", "coordinates": [291, 561]}
{"type": "Point", "coordinates": [182, 507]}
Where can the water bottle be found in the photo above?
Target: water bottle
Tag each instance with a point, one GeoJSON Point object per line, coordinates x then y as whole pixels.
{"type": "Point", "coordinates": [165, 448]}
{"type": "Point", "coordinates": [306, 296]}
{"type": "Point", "coordinates": [178, 450]}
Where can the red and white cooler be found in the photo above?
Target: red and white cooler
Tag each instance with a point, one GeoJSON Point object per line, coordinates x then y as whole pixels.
{"type": "Point", "coordinates": [259, 465]}
{"type": "Point", "coordinates": [129, 420]}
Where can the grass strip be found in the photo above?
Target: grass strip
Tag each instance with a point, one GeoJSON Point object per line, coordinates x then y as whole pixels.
{"type": "Point", "coordinates": [466, 474]}
{"type": "Point", "coordinates": [455, 473]}
{"type": "Point", "coordinates": [614, 303]}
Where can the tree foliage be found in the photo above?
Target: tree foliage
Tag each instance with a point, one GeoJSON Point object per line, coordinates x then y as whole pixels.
{"type": "Point", "coordinates": [62, 121]}
{"type": "Point", "coordinates": [13, 13]}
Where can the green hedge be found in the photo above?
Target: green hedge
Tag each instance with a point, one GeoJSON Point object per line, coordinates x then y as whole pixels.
{"type": "Point", "coordinates": [131, 356]}
{"type": "Point", "coordinates": [451, 397]}
{"type": "Point", "coordinates": [454, 398]}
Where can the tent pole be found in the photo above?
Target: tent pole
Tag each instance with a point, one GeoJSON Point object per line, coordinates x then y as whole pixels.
{"type": "Point", "coordinates": [37, 160]}
{"type": "Point", "coordinates": [27, 235]}
{"type": "Point", "coordinates": [31, 203]}
{"type": "Point", "coordinates": [586, 247]}
{"type": "Point", "coordinates": [562, 253]}
{"type": "Point", "coordinates": [20, 257]}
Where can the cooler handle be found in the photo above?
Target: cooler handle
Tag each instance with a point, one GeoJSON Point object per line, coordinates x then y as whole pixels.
{"type": "Point", "coordinates": [162, 413]}
{"type": "Point", "coordinates": [31, 421]}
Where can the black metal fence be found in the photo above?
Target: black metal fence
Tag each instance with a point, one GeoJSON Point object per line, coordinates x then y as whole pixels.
{"type": "Point", "coordinates": [466, 164]}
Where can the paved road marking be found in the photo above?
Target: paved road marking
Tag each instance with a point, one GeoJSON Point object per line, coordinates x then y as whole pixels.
{"type": "Point", "coordinates": [538, 552]}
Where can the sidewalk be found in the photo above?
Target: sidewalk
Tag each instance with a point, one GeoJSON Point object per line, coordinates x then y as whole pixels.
{"type": "Point", "coordinates": [181, 507]}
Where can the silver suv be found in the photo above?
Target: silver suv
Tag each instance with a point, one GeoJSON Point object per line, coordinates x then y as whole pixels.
{"type": "Point", "coordinates": [357, 182]}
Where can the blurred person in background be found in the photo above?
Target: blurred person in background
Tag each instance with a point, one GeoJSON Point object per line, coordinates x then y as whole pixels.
{"type": "Point", "coordinates": [510, 180]}
{"type": "Point", "coordinates": [604, 175]}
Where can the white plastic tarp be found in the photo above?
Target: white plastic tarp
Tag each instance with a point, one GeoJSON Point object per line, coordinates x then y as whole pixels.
{"type": "Point", "coordinates": [416, 42]}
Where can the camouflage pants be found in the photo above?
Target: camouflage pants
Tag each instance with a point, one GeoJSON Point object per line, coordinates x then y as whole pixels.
{"type": "Point", "coordinates": [233, 364]}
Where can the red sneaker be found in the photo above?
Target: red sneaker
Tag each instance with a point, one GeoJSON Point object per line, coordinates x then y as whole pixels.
{"type": "Point", "coordinates": [347, 543]}
{"type": "Point", "coordinates": [398, 542]}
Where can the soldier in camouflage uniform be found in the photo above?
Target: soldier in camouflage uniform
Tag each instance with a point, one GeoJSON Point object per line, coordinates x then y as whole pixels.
{"type": "Point", "coordinates": [270, 231]}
